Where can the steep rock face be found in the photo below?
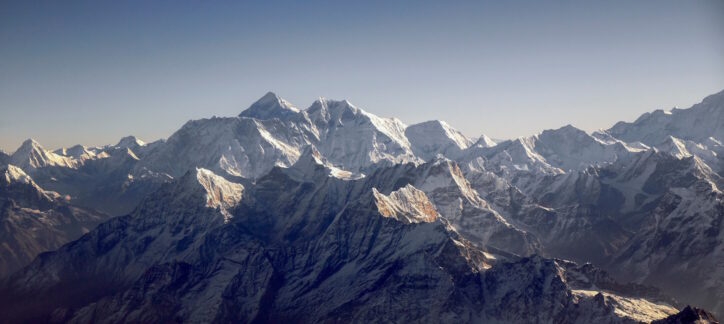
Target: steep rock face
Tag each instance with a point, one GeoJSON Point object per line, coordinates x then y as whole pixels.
{"type": "Point", "coordinates": [166, 226]}
{"type": "Point", "coordinates": [34, 220]}
{"type": "Point", "coordinates": [589, 215]}
{"type": "Point", "coordinates": [406, 205]}
{"type": "Point", "coordinates": [570, 214]}
{"type": "Point", "coordinates": [121, 249]}
{"type": "Point", "coordinates": [316, 256]}
{"type": "Point", "coordinates": [445, 185]}
{"type": "Point", "coordinates": [680, 246]}
{"type": "Point", "coordinates": [538, 290]}
{"type": "Point", "coordinates": [629, 215]}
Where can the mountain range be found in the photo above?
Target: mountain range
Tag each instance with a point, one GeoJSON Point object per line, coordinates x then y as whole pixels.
{"type": "Point", "coordinates": [334, 214]}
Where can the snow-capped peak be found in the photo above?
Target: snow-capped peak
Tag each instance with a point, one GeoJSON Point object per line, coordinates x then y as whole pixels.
{"type": "Point", "coordinates": [270, 106]}
{"type": "Point", "coordinates": [325, 110]}
{"type": "Point", "coordinates": [485, 141]}
{"type": "Point", "coordinates": [701, 121]}
{"type": "Point", "coordinates": [407, 205]}
{"type": "Point", "coordinates": [28, 145]}
{"type": "Point", "coordinates": [130, 142]}
{"type": "Point", "coordinates": [77, 152]}
{"type": "Point", "coordinates": [32, 155]}
{"type": "Point", "coordinates": [336, 113]}
{"type": "Point", "coordinates": [674, 146]}
{"type": "Point", "coordinates": [13, 174]}
{"type": "Point", "coordinates": [436, 137]}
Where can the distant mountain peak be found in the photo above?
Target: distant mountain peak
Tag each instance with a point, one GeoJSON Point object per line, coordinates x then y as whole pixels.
{"type": "Point", "coordinates": [28, 145]}
{"type": "Point", "coordinates": [697, 123]}
{"type": "Point", "coordinates": [270, 106]}
{"type": "Point", "coordinates": [324, 109]}
{"type": "Point", "coordinates": [13, 176]}
{"type": "Point", "coordinates": [567, 130]}
{"type": "Point", "coordinates": [32, 155]}
{"type": "Point", "coordinates": [485, 141]}
{"type": "Point", "coordinates": [436, 137]}
{"type": "Point", "coordinates": [130, 142]}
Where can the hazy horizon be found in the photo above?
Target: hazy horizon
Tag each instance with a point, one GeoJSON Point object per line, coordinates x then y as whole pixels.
{"type": "Point", "coordinates": [90, 73]}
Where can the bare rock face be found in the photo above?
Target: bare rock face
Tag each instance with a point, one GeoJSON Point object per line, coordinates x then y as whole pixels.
{"type": "Point", "coordinates": [407, 205]}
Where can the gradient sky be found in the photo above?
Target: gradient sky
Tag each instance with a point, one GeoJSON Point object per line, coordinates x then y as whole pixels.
{"type": "Point", "coordinates": [90, 72]}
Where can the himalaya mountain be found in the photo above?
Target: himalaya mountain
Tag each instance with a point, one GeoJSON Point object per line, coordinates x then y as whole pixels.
{"type": "Point", "coordinates": [35, 220]}
{"type": "Point", "coordinates": [333, 214]}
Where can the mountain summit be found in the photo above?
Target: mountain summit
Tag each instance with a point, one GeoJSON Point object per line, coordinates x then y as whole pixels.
{"type": "Point", "coordinates": [270, 106]}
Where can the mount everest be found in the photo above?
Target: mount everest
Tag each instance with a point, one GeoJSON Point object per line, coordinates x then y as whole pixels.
{"type": "Point", "coordinates": [333, 214]}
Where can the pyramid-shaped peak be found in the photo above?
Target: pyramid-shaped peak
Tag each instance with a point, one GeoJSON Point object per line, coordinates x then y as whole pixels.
{"type": "Point", "coordinates": [32, 155]}
{"type": "Point", "coordinates": [29, 147]}
{"type": "Point", "coordinates": [485, 141]}
{"type": "Point", "coordinates": [270, 106]}
{"type": "Point", "coordinates": [29, 144]}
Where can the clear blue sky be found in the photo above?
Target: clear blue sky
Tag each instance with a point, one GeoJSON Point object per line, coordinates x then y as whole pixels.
{"type": "Point", "coordinates": [91, 72]}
